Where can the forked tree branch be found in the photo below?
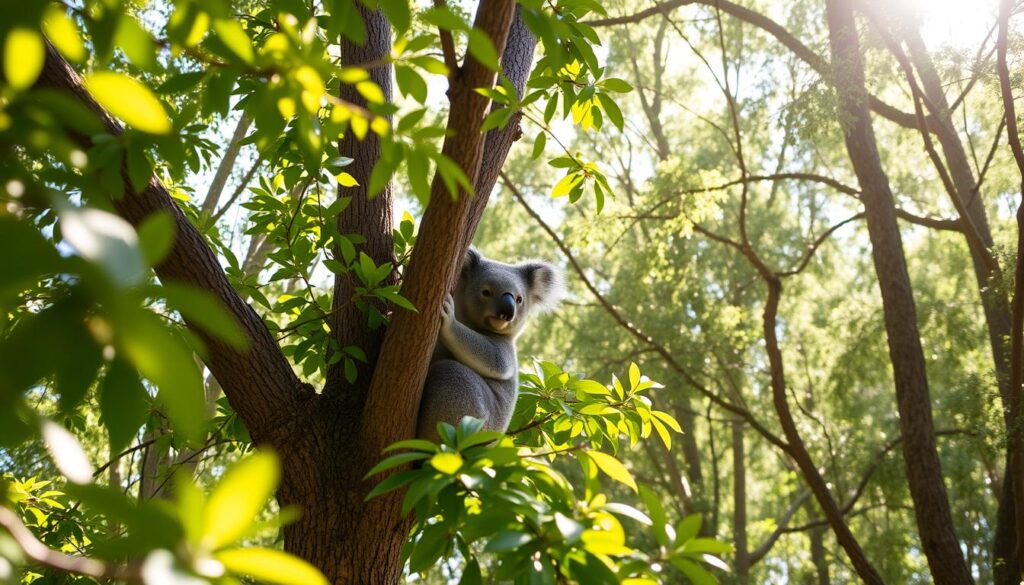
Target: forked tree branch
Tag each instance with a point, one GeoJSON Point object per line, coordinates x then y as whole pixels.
{"type": "Point", "coordinates": [397, 384]}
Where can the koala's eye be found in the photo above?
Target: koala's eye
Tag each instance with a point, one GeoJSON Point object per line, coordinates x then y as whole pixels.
{"type": "Point", "coordinates": [519, 300]}
{"type": "Point", "coordinates": [487, 292]}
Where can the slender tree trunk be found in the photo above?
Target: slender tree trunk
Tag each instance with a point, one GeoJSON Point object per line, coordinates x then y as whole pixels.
{"type": "Point", "coordinates": [798, 450]}
{"type": "Point", "coordinates": [924, 471]}
{"type": "Point", "coordinates": [819, 556]}
{"type": "Point", "coordinates": [993, 301]}
{"type": "Point", "coordinates": [227, 164]}
{"type": "Point", "coordinates": [739, 503]}
{"type": "Point", "coordinates": [366, 216]}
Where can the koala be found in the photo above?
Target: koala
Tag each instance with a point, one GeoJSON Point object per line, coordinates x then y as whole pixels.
{"type": "Point", "coordinates": [474, 370]}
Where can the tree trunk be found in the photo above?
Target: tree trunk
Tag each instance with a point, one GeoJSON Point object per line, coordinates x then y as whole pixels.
{"type": "Point", "coordinates": [739, 504]}
{"type": "Point", "coordinates": [924, 471]}
{"type": "Point", "coordinates": [993, 301]}
{"type": "Point", "coordinates": [326, 442]}
{"type": "Point", "coordinates": [366, 216]}
{"type": "Point", "coordinates": [819, 556]}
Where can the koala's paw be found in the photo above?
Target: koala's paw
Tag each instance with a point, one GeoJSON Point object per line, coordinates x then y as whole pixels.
{"type": "Point", "coordinates": [448, 311]}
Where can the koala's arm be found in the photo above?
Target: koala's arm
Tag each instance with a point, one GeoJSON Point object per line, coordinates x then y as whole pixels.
{"type": "Point", "coordinates": [487, 356]}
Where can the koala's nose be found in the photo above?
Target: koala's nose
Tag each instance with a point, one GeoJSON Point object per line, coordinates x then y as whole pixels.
{"type": "Point", "coordinates": [506, 307]}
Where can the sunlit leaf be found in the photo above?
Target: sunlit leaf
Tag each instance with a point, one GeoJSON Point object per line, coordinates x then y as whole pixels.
{"type": "Point", "coordinates": [106, 239]}
{"type": "Point", "coordinates": [129, 100]}
{"type": "Point", "coordinates": [238, 498]}
{"type": "Point", "coordinates": [66, 452]}
{"type": "Point", "coordinates": [271, 566]}
{"type": "Point", "coordinates": [613, 468]}
{"type": "Point", "coordinates": [446, 462]}
{"type": "Point", "coordinates": [23, 57]}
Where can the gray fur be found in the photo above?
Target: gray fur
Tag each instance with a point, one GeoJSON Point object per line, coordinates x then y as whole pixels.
{"type": "Point", "coordinates": [475, 371]}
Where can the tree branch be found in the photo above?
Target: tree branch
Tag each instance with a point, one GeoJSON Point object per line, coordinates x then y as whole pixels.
{"type": "Point", "coordinates": [636, 331]}
{"type": "Point", "coordinates": [39, 553]}
{"type": "Point", "coordinates": [259, 381]}
{"type": "Point", "coordinates": [754, 18]}
{"type": "Point", "coordinates": [394, 394]}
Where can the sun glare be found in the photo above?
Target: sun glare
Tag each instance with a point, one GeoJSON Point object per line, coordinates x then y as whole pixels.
{"type": "Point", "coordinates": [955, 24]}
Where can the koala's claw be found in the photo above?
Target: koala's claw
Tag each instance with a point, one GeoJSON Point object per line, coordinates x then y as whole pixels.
{"type": "Point", "coordinates": [448, 310]}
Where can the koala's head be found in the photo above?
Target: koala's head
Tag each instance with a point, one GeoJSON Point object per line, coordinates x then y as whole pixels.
{"type": "Point", "coordinates": [498, 297]}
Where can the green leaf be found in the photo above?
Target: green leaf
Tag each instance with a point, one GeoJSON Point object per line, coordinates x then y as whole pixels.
{"type": "Point", "coordinates": [395, 461]}
{"type": "Point", "coordinates": [482, 49]}
{"type": "Point", "coordinates": [443, 17]}
{"type": "Point", "coordinates": [697, 574]}
{"type": "Point", "coordinates": [506, 540]}
{"type": "Point", "coordinates": [429, 547]}
{"type": "Point", "coordinates": [392, 295]}
{"type": "Point", "coordinates": [124, 403]}
{"type": "Point", "coordinates": [162, 356]}
{"type": "Point", "coordinates": [688, 528]}
{"type": "Point", "coordinates": [657, 515]}
{"type": "Point", "coordinates": [271, 566]}
{"type": "Point", "coordinates": [156, 236]}
{"type": "Point", "coordinates": [613, 468]}
{"type": "Point", "coordinates": [410, 83]}
{"type": "Point", "coordinates": [202, 308]}
{"type": "Point", "coordinates": [538, 145]}
{"type": "Point", "coordinates": [24, 54]}
{"type": "Point", "coordinates": [415, 444]}
{"type": "Point", "coordinates": [238, 498]}
{"type": "Point", "coordinates": [35, 256]}
{"type": "Point", "coordinates": [398, 14]}
{"type": "Point", "coordinates": [136, 42]}
{"type": "Point", "coordinates": [129, 100]}
{"type": "Point", "coordinates": [471, 574]}
{"type": "Point", "coordinates": [231, 33]}
{"type": "Point", "coordinates": [392, 482]}
{"type": "Point", "coordinates": [590, 387]}
{"type": "Point", "coordinates": [616, 85]}
{"type": "Point", "coordinates": [706, 545]}
{"type": "Point", "coordinates": [139, 169]}
{"type": "Point", "coordinates": [612, 109]}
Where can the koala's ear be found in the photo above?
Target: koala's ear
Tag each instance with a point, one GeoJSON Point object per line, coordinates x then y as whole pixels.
{"type": "Point", "coordinates": [546, 284]}
{"type": "Point", "coordinates": [472, 260]}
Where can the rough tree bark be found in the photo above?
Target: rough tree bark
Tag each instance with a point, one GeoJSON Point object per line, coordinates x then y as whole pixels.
{"type": "Point", "coordinates": [924, 471]}
{"type": "Point", "coordinates": [994, 302]}
{"type": "Point", "coordinates": [327, 441]}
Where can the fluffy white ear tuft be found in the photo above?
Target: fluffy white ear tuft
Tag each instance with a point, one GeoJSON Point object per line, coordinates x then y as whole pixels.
{"type": "Point", "coordinates": [547, 285]}
{"type": "Point", "coordinates": [472, 259]}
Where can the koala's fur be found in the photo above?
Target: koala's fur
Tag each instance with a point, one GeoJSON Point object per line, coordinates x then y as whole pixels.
{"type": "Point", "coordinates": [474, 370]}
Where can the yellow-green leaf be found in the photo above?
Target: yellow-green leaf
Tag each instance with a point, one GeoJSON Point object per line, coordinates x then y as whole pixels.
{"type": "Point", "coordinates": [231, 33]}
{"type": "Point", "coordinates": [613, 468]}
{"type": "Point", "coordinates": [63, 33]}
{"type": "Point", "coordinates": [23, 57]}
{"type": "Point", "coordinates": [563, 187]}
{"type": "Point", "coordinates": [271, 566]}
{"type": "Point", "coordinates": [238, 498]}
{"type": "Point", "coordinates": [346, 180]}
{"type": "Point", "coordinates": [371, 91]}
{"type": "Point", "coordinates": [447, 462]}
{"type": "Point", "coordinates": [129, 100]}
